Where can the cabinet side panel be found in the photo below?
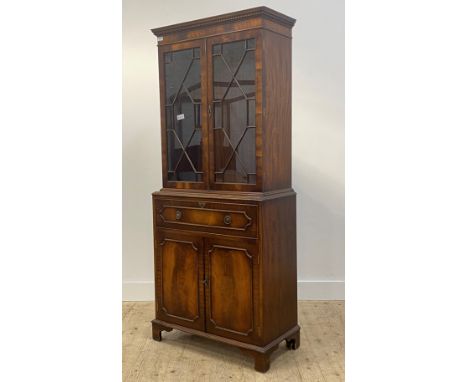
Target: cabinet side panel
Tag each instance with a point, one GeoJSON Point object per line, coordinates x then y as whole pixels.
{"type": "Point", "coordinates": [279, 273]}
{"type": "Point", "coordinates": [276, 111]}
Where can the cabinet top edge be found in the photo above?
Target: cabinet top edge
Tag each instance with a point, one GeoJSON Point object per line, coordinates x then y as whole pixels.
{"type": "Point", "coordinates": [225, 195]}
{"type": "Point", "coordinates": [263, 12]}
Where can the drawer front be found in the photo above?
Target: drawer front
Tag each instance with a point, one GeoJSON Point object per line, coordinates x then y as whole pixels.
{"type": "Point", "coordinates": [227, 218]}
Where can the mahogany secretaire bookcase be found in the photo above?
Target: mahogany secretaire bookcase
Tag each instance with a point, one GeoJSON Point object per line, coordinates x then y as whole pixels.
{"type": "Point", "coordinates": [225, 219]}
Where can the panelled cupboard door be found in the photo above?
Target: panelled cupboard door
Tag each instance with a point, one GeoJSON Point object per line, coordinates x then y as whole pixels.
{"type": "Point", "coordinates": [234, 66]}
{"type": "Point", "coordinates": [231, 274]}
{"type": "Point", "coordinates": [183, 114]}
{"type": "Point", "coordinates": [179, 279]}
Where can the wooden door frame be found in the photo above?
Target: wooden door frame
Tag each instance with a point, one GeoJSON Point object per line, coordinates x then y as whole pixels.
{"type": "Point", "coordinates": [162, 49]}
{"type": "Point", "coordinates": [231, 37]}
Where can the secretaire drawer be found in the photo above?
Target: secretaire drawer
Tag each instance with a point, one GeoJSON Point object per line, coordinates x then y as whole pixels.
{"type": "Point", "coordinates": [220, 217]}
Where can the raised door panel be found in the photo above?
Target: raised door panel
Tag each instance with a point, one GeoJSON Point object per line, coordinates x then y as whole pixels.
{"type": "Point", "coordinates": [230, 268]}
{"type": "Point", "coordinates": [234, 66]}
{"type": "Point", "coordinates": [179, 278]}
{"type": "Point", "coordinates": [183, 116]}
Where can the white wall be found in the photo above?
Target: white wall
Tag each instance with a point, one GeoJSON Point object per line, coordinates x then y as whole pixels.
{"type": "Point", "coordinates": [318, 136]}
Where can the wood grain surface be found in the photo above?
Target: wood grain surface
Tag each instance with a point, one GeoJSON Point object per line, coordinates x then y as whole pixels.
{"type": "Point", "coordinates": [224, 270]}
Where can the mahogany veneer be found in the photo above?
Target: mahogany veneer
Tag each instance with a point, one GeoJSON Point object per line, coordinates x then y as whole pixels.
{"type": "Point", "coordinates": [225, 219]}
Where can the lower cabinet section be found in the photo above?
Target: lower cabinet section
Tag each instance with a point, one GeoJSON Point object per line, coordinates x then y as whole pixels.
{"type": "Point", "coordinates": [207, 284]}
{"type": "Point", "coordinates": [218, 284]}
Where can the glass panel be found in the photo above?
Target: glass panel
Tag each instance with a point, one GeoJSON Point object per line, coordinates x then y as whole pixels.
{"type": "Point", "coordinates": [222, 77]}
{"type": "Point", "coordinates": [246, 74]}
{"type": "Point", "coordinates": [251, 112]}
{"type": "Point", "coordinates": [223, 150]}
{"type": "Point", "coordinates": [235, 114]}
{"type": "Point", "coordinates": [216, 49]}
{"type": "Point", "coordinates": [218, 115]}
{"type": "Point", "coordinates": [234, 111]}
{"type": "Point", "coordinates": [183, 120]}
{"type": "Point", "coordinates": [232, 53]}
{"type": "Point", "coordinates": [246, 150]}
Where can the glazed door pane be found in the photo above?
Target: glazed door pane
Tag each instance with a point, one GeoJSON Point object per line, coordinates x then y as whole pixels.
{"type": "Point", "coordinates": [182, 83]}
{"type": "Point", "coordinates": [233, 102]}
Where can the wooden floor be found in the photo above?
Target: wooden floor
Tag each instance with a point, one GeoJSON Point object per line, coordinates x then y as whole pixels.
{"type": "Point", "coordinates": [185, 357]}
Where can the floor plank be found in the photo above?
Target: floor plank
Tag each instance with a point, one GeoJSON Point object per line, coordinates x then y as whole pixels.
{"type": "Point", "coordinates": [185, 357]}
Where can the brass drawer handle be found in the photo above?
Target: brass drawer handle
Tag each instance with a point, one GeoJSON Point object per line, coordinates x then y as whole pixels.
{"type": "Point", "coordinates": [178, 214]}
{"type": "Point", "coordinates": [227, 219]}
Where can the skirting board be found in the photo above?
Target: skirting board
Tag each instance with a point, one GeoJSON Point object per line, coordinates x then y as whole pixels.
{"type": "Point", "coordinates": [306, 290]}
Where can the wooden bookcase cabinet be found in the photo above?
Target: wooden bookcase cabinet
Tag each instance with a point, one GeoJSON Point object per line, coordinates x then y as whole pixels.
{"type": "Point", "coordinates": [225, 219]}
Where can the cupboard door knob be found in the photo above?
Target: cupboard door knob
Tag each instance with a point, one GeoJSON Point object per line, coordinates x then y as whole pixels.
{"type": "Point", "coordinates": [227, 219]}
{"type": "Point", "coordinates": [205, 281]}
{"type": "Point", "coordinates": [178, 214]}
